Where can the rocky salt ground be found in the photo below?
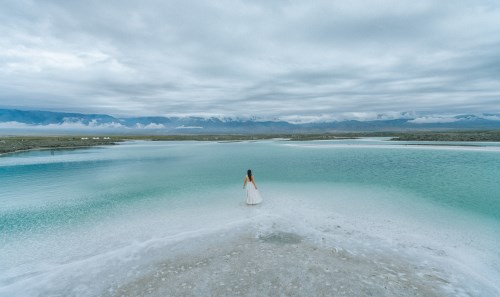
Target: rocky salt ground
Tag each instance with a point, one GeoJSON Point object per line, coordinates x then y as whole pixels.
{"type": "Point", "coordinates": [285, 264]}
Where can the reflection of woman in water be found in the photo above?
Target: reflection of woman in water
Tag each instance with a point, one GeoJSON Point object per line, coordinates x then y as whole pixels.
{"type": "Point", "coordinates": [253, 195]}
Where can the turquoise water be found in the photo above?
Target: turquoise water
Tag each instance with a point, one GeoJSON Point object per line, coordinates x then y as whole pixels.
{"type": "Point", "coordinates": [63, 207]}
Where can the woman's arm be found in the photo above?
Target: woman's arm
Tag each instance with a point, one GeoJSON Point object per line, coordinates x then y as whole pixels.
{"type": "Point", "coordinates": [253, 181]}
{"type": "Point", "coordinates": [245, 182]}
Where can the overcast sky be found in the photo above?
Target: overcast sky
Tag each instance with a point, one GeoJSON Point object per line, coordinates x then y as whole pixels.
{"type": "Point", "coordinates": [286, 59]}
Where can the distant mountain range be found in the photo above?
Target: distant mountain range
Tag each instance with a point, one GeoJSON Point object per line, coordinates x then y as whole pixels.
{"type": "Point", "coordinates": [14, 121]}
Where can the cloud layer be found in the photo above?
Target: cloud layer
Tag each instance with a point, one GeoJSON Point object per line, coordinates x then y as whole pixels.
{"type": "Point", "coordinates": [284, 59]}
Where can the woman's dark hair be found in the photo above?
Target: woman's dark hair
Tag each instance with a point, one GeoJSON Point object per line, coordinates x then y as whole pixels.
{"type": "Point", "coordinates": [249, 174]}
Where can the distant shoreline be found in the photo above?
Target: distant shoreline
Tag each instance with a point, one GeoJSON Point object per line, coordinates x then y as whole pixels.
{"type": "Point", "coordinates": [11, 145]}
{"type": "Point", "coordinates": [16, 144]}
{"type": "Point", "coordinates": [48, 149]}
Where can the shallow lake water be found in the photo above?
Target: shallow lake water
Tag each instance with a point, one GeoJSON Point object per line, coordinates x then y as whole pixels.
{"type": "Point", "coordinates": [120, 220]}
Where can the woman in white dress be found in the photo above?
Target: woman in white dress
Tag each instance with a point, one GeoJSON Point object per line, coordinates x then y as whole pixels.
{"type": "Point", "coordinates": [253, 195]}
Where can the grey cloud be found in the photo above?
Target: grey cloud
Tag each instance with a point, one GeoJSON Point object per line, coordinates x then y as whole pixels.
{"type": "Point", "coordinates": [237, 58]}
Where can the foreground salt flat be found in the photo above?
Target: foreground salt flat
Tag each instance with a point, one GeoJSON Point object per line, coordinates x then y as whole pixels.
{"type": "Point", "coordinates": [265, 255]}
{"type": "Point", "coordinates": [285, 264]}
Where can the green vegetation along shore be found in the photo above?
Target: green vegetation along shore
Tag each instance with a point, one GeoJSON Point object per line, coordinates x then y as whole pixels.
{"type": "Point", "coordinates": [12, 144]}
{"type": "Point", "coordinates": [449, 136]}
{"type": "Point", "coordinates": [16, 144]}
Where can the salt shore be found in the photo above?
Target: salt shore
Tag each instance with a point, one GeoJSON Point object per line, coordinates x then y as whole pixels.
{"type": "Point", "coordinates": [293, 252]}
{"type": "Point", "coordinates": [263, 255]}
{"type": "Point", "coordinates": [279, 255]}
{"type": "Point", "coordinates": [286, 264]}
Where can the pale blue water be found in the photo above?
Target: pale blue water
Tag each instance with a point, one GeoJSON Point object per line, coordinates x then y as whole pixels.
{"type": "Point", "coordinates": [63, 207]}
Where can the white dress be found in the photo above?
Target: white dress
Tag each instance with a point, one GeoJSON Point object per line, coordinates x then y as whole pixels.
{"type": "Point", "coordinates": [253, 195]}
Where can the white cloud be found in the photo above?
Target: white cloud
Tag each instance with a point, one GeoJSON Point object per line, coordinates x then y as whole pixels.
{"type": "Point", "coordinates": [491, 117]}
{"type": "Point", "coordinates": [150, 126]}
{"type": "Point", "coordinates": [433, 119]}
{"type": "Point", "coordinates": [71, 124]}
{"type": "Point", "coordinates": [358, 116]}
{"type": "Point", "coordinates": [188, 127]}
{"type": "Point", "coordinates": [298, 119]}
{"type": "Point", "coordinates": [14, 125]}
{"type": "Point", "coordinates": [62, 126]}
